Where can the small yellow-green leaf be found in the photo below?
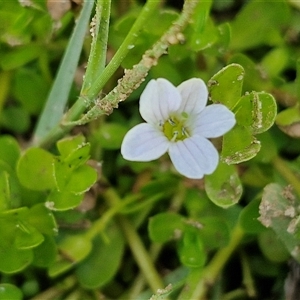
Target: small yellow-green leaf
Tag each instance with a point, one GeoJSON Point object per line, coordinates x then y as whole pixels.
{"type": "Point", "coordinates": [69, 144]}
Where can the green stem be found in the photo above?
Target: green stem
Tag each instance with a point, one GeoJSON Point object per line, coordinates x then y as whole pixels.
{"type": "Point", "coordinates": [59, 94]}
{"type": "Point", "coordinates": [248, 281]}
{"type": "Point", "coordinates": [99, 32]}
{"type": "Point", "coordinates": [129, 42]}
{"type": "Point", "coordinates": [99, 225]}
{"type": "Point", "coordinates": [138, 250]}
{"type": "Point", "coordinates": [91, 92]}
{"type": "Point", "coordinates": [208, 276]}
{"type": "Point", "coordinates": [282, 167]}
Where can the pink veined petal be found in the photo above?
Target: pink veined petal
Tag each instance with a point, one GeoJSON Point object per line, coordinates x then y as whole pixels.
{"type": "Point", "coordinates": [159, 99]}
{"type": "Point", "coordinates": [194, 157]}
{"type": "Point", "coordinates": [144, 143]}
{"type": "Point", "coordinates": [194, 96]}
{"type": "Point", "coordinates": [214, 121]}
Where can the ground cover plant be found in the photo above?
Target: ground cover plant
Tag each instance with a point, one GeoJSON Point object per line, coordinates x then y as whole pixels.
{"type": "Point", "coordinates": [149, 149]}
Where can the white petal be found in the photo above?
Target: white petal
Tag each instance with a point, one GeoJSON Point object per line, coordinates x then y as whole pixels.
{"type": "Point", "coordinates": [159, 99]}
{"type": "Point", "coordinates": [214, 121]}
{"type": "Point", "coordinates": [144, 143]}
{"type": "Point", "coordinates": [194, 157]}
{"type": "Point", "coordinates": [194, 96]}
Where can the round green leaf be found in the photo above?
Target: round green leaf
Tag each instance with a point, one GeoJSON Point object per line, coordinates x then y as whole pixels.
{"type": "Point", "coordinates": [224, 187]}
{"type": "Point", "coordinates": [226, 86]}
{"type": "Point", "coordinates": [103, 261]}
{"type": "Point", "coordinates": [10, 292]}
{"type": "Point", "coordinates": [35, 169]}
{"type": "Point", "coordinates": [69, 144]}
{"type": "Point", "coordinates": [165, 226]}
{"type": "Point", "coordinates": [74, 180]}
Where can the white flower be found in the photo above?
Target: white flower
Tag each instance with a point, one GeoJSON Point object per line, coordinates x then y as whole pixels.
{"type": "Point", "coordinates": [180, 123]}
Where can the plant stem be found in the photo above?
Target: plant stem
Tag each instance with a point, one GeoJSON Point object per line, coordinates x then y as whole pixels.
{"type": "Point", "coordinates": [282, 167]}
{"type": "Point", "coordinates": [208, 276]}
{"type": "Point", "coordinates": [138, 250]}
{"type": "Point", "coordinates": [99, 32]}
{"type": "Point", "coordinates": [131, 80]}
{"type": "Point", "coordinates": [129, 42]}
{"type": "Point", "coordinates": [59, 94]}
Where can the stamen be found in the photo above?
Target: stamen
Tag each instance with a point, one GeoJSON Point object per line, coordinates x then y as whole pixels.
{"type": "Point", "coordinates": [175, 134]}
{"type": "Point", "coordinates": [171, 122]}
{"type": "Point", "coordinates": [184, 132]}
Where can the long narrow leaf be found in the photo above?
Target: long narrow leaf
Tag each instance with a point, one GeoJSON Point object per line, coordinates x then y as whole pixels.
{"type": "Point", "coordinates": [58, 97]}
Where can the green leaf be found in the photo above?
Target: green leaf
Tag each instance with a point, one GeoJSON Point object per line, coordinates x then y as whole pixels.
{"type": "Point", "coordinates": [239, 145]}
{"type": "Point", "coordinates": [214, 232]}
{"type": "Point", "coordinates": [74, 180]}
{"type": "Point", "coordinates": [29, 84]}
{"type": "Point", "coordinates": [19, 56]}
{"type": "Point", "coordinates": [35, 169]}
{"type": "Point", "coordinates": [249, 218]}
{"type": "Point", "coordinates": [288, 121]}
{"type": "Point", "coordinates": [110, 135]}
{"type": "Point", "coordinates": [278, 210]}
{"type": "Point", "coordinates": [15, 118]}
{"type": "Point", "coordinates": [9, 150]}
{"type": "Point", "coordinates": [4, 191]}
{"type": "Point", "coordinates": [103, 261]}
{"type": "Point", "coordinates": [165, 226]}
{"type": "Point", "coordinates": [256, 111]}
{"type": "Point", "coordinates": [255, 78]}
{"type": "Point", "coordinates": [59, 94]}
{"type": "Point", "coordinates": [73, 249]}
{"type": "Point", "coordinates": [69, 144]}
{"type": "Point", "coordinates": [226, 86]}
{"type": "Point", "coordinates": [224, 187]}
{"type": "Point", "coordinates": [63, 200]}
{"type": "Point", "coordinates": [191, 249]}
{"type": "Point", "coordinates": [9, 291]}
{"type": "Point", "coordinates": [41, 218]}
{"type": "Point", "coordinates": [12, 259]}
{"type": "Point", "coordinates": [275, 61]}
{"type": "Point", "coordinates": [259, 13]}
{"type": "Point", "coordinates": [44, 255]}
{"type": "Point", "coordinates": [27, 236]}
{"type": "Point", "coordinates": [272, 247]}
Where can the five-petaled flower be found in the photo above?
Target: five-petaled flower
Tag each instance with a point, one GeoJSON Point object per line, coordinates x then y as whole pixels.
{"type": "Point", "coordinates": [180, 123]}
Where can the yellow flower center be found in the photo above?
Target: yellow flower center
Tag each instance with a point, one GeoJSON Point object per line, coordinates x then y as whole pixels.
{"type": "Point", "coordinates": [174, 130]}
